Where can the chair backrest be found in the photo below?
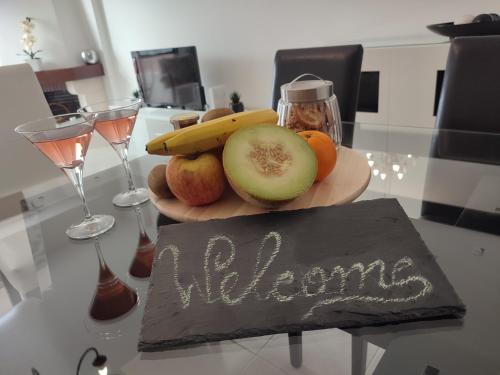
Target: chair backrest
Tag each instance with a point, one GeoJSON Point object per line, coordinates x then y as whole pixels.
{"type": "Point", "coordinates": [340, 64]}
{"type": "Point", "coordinates": [22, 100]}
{"type": "Point", "coordinates": [470, 98]}
{"type": "Point", "coordinates": [469, 102]}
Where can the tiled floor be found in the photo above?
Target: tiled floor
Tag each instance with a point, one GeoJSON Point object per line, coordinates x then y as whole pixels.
{"type": "Point", "coordinates": [259, 366]}
{"type": "Point", "coordinates": [218, 358]}
{"type": "Point", "coordinates": [324, 352]}
{"type": "Point", "coordinates": [254, 344]}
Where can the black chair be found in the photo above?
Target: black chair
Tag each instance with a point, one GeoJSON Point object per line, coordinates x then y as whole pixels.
{"type": "Point", "coordinates": [471, 87]}
{"type": "Point", "coordinates": [469, 103]}
{"type": "Point", "coordinates": [340, 64]}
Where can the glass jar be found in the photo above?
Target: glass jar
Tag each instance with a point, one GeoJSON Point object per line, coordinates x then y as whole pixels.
{"type": "Point", "coordinates": [310, 105]}
{"type": "Point", "coordinates": [184, 120]}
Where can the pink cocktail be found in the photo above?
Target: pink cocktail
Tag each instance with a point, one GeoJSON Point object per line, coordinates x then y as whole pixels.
{"type": "Point", "coordinates": [115, 121]}
{"type": "Point", "coordinates": [65, 140]}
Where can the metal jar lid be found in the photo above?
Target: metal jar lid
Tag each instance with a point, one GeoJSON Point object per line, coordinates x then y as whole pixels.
{"type": "Point", "coordinates": [306, 91]}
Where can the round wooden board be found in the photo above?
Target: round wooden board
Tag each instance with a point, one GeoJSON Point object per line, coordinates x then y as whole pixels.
{"type": "Point", "coordinates": [347, 181]}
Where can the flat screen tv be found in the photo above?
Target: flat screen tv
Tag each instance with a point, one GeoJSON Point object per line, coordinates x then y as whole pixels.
{"type": "Point", "coordinates": [169, 77]}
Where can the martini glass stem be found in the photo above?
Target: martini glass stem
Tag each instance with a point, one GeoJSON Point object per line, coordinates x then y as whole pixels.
{"type": "Point", "coordinates": [102, 263]}
{"type": "Point", "coordinates": [142, 230]}
{"type": "Point", "coordinates": [122, 151]}
{"type": "Point", "coordinates": [143, 260]}
{"type": "Point", "coordinates": [75, 175]}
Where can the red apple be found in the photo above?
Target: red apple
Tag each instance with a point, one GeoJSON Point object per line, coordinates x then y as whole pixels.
{"type": "Point", "coordinates": [196, 180]}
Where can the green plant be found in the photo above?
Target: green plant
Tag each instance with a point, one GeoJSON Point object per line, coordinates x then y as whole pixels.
{"type": "Point", "coordinates": [235, 97]}
{"type": "Point", "coordinates": [28, 40]}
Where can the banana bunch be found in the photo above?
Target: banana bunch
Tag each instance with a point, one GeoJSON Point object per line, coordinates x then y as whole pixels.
{"type": "Point", "coordinates": [208, 135]}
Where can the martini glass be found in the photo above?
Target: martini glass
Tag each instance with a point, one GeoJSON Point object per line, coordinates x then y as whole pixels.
{"type": "Point", "coordinates": [65, 140]}
{"type": "Point", "coordinates": [115, 122]}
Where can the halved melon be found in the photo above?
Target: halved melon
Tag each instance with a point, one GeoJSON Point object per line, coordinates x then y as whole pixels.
{"type": "Point", "coordinates": [269, 165]}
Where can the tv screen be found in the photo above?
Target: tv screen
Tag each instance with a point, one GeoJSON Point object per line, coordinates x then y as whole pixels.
{"type": "Point", "coordinates": [169, 77]}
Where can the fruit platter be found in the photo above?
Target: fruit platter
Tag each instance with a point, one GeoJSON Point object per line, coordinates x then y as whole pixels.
{"type": "Point", "coordinates": [244, 164]}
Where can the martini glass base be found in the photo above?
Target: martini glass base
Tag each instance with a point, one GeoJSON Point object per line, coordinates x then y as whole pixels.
{"type": "Point", "coordinates": [131, 198]}
{"type": "Point", "coordinates": [92, 227]}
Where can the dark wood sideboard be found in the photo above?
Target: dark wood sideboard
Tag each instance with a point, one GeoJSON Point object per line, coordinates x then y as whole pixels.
{"type": "Point", "coordinates": [53, 80]}
{"type": "Point", "coordinates": [53, 83]}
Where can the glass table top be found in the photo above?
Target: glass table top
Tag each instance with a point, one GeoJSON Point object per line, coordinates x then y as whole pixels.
{"type": "Point", "coordinates": [448, 182]}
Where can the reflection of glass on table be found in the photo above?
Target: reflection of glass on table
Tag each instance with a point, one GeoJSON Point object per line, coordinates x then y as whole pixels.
{"type": "Point", "coordinates": [143, 260]}
{"type": "Point", "coordinates": [112, 298]}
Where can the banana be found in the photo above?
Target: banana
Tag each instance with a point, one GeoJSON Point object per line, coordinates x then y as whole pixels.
{"type": "Point", "coordinates": [208, 135]}
{"type": "Point", "coordinates": [155, 146]}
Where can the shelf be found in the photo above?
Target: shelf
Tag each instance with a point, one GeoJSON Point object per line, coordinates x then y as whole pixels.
{"type": "Point", "coordinates": [52, 80]}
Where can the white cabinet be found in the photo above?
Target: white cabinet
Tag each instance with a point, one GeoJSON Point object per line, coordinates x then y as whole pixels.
{"type": "Point", "coordinates": [407, 83]}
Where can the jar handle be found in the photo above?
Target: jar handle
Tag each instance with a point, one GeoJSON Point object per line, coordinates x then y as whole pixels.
{"type": "Point", "coordinates": [307, 74]}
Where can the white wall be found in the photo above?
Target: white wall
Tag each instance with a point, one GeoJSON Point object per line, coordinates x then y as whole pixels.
{"type": "Point", "coordinates": [60, 29]}
{"type": "Point", "coordinates": [237, 40]}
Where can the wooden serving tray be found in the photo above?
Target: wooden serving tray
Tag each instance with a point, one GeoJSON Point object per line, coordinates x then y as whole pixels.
{"type": "Point", "coordinates": [347, 182]}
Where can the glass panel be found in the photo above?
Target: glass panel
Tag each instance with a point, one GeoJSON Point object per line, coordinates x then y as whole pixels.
{"type": "Point", "coordinates": [448, 182]}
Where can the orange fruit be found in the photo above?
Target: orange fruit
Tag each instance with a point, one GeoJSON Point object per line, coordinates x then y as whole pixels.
{"type": "Point", "coordinates": [325, 151]}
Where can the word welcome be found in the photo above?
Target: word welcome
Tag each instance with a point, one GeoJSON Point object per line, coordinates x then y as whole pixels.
{"type": "Point", "coordinates": [313, 283]}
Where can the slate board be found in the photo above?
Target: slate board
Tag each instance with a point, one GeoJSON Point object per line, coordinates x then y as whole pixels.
{"type": "Point", "coordinates": [342, 266]}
